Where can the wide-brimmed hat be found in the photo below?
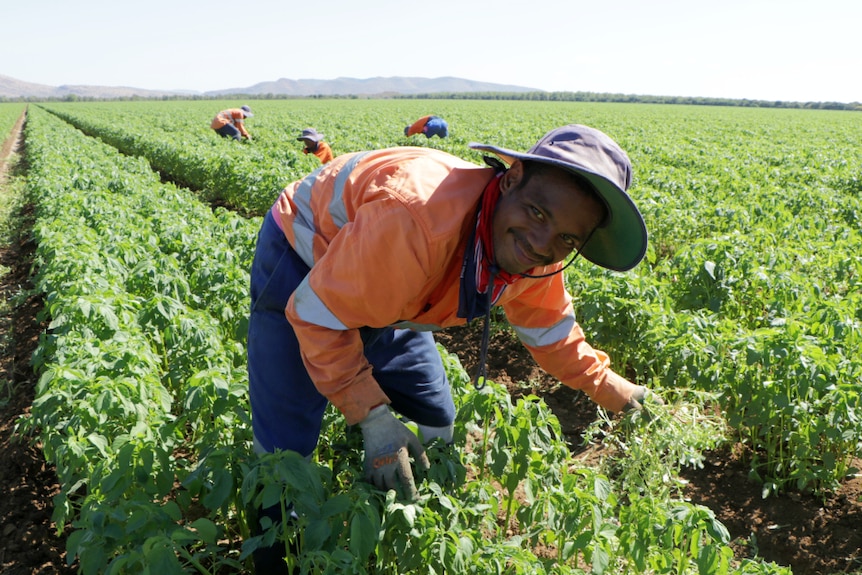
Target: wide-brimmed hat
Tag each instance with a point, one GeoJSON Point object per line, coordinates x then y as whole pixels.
{"type": "Point", "coordinates": [247, 111]}
{"type": "Point", "coordinates": [310, 134]}
{"type": "Point", "coordinates": [620, 242]}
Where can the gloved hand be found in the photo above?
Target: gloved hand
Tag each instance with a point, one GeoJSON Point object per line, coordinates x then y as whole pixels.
{"type": "Point", "coordinates": [640, 397]}
{"type": "Point", "coordinates": [387, 442]}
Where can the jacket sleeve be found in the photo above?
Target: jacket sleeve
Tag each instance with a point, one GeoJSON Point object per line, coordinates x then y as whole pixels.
{"type": "Point", "coordinates": [240, 125]}
{"type": "Point", "coordinates": [371, 272]}
{"type": "Point", "coordinates": [324, 152]}
{"type": "Point", "coordinates": [543, 317]}
{"type": "Point", "coordinates": [416, 127]}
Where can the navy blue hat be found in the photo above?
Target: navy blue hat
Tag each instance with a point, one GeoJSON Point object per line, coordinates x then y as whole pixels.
{"type": "Point", "coordinates": [310, 134]}
{"type": "Point", "coordinates": [246, 111]}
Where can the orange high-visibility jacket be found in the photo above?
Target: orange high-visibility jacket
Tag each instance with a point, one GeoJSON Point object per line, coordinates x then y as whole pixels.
{"type": "Point", "coordinates": [323, 152]}
{"type": "Point", "coordinates": [416, 127]}
{"type": "Point", "coordinates": [233, 116]}
{"type": "Point", "coordinates": [384, 234]}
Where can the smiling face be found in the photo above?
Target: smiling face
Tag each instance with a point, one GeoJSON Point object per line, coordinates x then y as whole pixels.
{"type": "Point", "coordinates": [543, 214]}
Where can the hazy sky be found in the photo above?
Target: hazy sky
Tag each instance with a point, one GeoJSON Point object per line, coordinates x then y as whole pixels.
{"type": "Point", "coordinates": [792, 50]}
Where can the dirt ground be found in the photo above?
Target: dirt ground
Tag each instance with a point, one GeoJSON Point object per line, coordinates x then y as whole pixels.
{"type": "Point", "coordinates": [812, 536]}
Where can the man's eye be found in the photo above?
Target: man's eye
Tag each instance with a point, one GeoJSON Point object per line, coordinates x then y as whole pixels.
{"type": "Point", "coordinates": [536, 213]}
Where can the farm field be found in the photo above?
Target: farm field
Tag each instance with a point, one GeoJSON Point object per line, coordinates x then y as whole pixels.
{"type": "Point", "coordinates": [745, 316]}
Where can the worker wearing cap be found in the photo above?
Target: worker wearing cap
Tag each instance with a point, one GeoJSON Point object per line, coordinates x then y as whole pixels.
{"type": "Point", "coordinates": [358, 263]}
{"type": "Point", "coordinates": [314, 144]}
{"type": "Point", "coordinates": [428, 125]}
{"type": "Point", "coordinates": [230, 123]}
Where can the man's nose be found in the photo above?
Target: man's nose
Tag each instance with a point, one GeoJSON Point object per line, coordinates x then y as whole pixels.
{"type": "Point", "coordinates": [542, 242]}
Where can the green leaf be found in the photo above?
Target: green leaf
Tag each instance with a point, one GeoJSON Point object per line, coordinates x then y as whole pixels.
{"type": "Point", "coordinates": [363, 536]}
{"type": "Point", "coordinates": [316, 533]}
{"type": "Point", "coordinates": [101, 443]}
{"type": "Point", "coordinates": [160, 557]}
{"type": "Point", "coordinates": [206, 529]}
{"type": "Point", "coordinates": [221, 490]}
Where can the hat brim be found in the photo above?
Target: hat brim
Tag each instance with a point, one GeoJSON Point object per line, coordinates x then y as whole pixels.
{"type": "Point", "coordinates": [621, 242]}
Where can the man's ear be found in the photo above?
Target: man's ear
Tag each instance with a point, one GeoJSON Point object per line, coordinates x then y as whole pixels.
{"type": "Point", "coordinates": [512, 177]}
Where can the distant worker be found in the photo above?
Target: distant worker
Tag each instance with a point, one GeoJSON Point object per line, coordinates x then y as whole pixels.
{"type": "Point", "coordinates": [314, 144]}
{"type": "Point", "coordinates": [231, 123]}
{"type": "Point", "coordinates": [428, 125]}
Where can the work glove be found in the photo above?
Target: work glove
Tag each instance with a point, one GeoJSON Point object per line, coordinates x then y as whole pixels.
{"type": "Point", "coordinates": [642, 397]}
{"type": "Point", "coordinates": [387, 461]}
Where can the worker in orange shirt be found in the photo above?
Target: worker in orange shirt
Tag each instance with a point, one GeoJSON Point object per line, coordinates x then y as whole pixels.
{"type": "Point", "coordinates": [357, 263]}
{"type": "Point", "coordinates": [314, 144]}
{"type": "Point", "coordinates": [428, 125]}
{"type": "Point", "coordinates": [230, 123]}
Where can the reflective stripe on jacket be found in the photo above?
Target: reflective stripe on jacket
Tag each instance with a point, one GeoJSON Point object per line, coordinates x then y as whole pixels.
{"type": "Point", "coordinates": [233, 116]}
{"type": "Point", "coordinates": [384, 234]}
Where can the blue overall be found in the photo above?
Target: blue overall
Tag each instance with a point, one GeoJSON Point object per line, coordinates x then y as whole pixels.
{"type": "Point", "coordinates": [229, 131]}
{"type": "Point", "coordinates": [287, 409]}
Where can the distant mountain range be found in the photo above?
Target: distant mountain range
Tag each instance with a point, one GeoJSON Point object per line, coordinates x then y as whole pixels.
{"type": "Point", "coordinates": [13, 88]}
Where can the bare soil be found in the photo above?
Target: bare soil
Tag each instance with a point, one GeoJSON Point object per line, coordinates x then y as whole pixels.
{"type": "Point", "coordinates": [812, 535]}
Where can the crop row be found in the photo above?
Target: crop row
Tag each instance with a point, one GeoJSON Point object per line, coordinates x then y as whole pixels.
{"type": "Point", "coordinates": [9, 114]}
{"type": "Point", "coordinates": [142, 407]}
{"type": "Point", "coordinates": [142, 368]}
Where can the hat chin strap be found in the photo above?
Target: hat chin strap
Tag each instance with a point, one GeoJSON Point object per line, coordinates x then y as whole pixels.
{"type": "Point", "coordinates": [571, 261]}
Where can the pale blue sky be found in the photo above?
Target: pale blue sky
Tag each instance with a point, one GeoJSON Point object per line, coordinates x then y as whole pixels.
{"type": "Point", "coordinates": [792, 50]}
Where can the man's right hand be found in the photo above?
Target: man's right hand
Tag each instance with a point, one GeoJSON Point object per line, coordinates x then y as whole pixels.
{"type": "Point", "coordinates": [388, 446]}
{"type": "Point", "coordinates": [641, 398]}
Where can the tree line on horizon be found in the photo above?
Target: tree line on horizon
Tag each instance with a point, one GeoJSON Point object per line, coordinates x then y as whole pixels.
{"type": "Point", "coordinates": [537, 96]}
{"type": "Point", "coordinates": [636, 99]}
